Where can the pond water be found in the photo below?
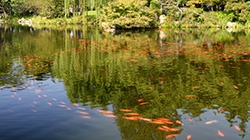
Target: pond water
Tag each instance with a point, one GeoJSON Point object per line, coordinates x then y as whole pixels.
{"type": "Point", "coordinates": [73, 83]}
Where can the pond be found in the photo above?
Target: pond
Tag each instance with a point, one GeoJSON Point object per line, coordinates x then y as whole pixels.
{"type": "Point", "coordinates": [72, 83]}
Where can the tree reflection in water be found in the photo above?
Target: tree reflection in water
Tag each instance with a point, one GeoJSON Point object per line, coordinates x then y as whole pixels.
{"type": "Point", "coordinates": [183, 72]}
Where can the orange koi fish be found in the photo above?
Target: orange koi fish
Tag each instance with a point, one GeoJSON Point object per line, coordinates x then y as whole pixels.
{"type": "Point", "coordinates": [125, 110]}
{"type": "Point", "coordinates": [111, 116]}
{"type": "Point", "coordinates": [209, 122]}
{"type": "Point", "coordinates": [174, 129]}
{"type": "Point", "coordinates": [139, 100]}
{"type": "Point", "coordinates": [236, 87]}
{"type": "Point", "coordinates": [131, 114]}
{"type": "Point", "coordinates": [83, 112]}
{"type": "Point", "coordinates": [179, 122]}
{"type": "Point", "coordinates": [221, 111]}
{"type": "Point", "coordinates": [75, 104]}
{"type": "Point", "coordinates": [236, 127]}
{"type": "Point", "coordinates": [220, 133]}
{"type": "Point", "coordinates": [146, 119]}
{"type": "Point", "coordinates": [143, 103]}
{"type": "Point", "coordinates": [68, 108]}
{"type": "Point", "coordinates": [160, 128]}
{"type": "Point", "coordinates": [87, 117]}
{"type": "Point", "coordinates": [190, 95]}
{"type": "Point", "coordinates": [170, 136]}
{"type": "Point", "coordinates": [81, 108]}
{"type": "Point", "coordinates": [158, 122]}
{"type": "Point", "coordinates": [103, 111]}
{"type": "Point", "coordinates": [132, 118]}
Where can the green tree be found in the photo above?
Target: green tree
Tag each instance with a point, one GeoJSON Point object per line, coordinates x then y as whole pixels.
{"type": "Point", "coordinates": [128, 14]}
{"type": "Point", "coordinates": [240, 8]}
{"type": "Point", "coordinates": [3, 4]}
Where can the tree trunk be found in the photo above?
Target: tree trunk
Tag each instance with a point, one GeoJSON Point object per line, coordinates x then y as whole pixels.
{"type": "Point", "coordinates": [4, 12]}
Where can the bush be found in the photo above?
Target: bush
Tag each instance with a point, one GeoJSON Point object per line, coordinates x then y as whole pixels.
{"type": "Point", "coordinates": [128, 14]}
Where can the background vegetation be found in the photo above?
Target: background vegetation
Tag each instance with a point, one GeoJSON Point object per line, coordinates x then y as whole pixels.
{"type": "Point", "coordinates": [132, 13]}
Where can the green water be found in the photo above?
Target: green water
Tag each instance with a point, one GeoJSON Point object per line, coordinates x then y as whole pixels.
{"type": "Point", "coordinates": [193, 76]}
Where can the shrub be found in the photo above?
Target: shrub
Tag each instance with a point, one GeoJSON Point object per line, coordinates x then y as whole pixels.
{"type": "Point", "coordinates": [240, 10]}
{"type": "Point", "coordinates": [192, 16]}
{"type": "Point", "coordinates": [128, 14]}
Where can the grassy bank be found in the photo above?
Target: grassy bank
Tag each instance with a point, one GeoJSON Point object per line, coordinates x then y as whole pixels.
{"type": "Point", "coordinates": [88, 18]}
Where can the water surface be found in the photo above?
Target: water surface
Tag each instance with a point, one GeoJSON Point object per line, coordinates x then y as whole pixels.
{"type": "Point", "coordinates": [59, 83]}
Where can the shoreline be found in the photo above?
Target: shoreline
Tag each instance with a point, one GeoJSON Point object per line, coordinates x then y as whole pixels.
{"type": "Point", "coordinates": [81, 21]}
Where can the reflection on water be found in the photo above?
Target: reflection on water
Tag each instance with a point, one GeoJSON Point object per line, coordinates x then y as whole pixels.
{"type": "Point", "coordinates": [183, 84]}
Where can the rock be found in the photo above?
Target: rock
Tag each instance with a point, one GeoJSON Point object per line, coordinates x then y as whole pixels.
{"type": "Point", "coordinates": [21, 21]}
{"type": "Point", "coordinates": [162, 18]}
{"type": "Point", "coordinates": [105, 25]}
{"type": "Point", "coordinates": [108, 28]}
{"type": "Point", "coordinates": [230, 24]}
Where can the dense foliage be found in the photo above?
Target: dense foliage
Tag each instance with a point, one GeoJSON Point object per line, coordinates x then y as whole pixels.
{"type": "Point", "coordinates": [48, 8]}
{"type": "Point", "coordinates": [128, 14]}
{"type": "Point", "coordinates": [206, 12]}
